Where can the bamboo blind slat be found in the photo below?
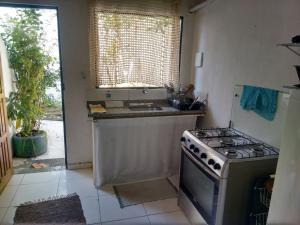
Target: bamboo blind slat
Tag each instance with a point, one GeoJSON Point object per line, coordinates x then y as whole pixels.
{"type": "Point", "coordinates": [134, 43]}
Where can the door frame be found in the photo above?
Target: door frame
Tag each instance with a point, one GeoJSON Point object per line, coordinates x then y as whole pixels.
{"type": "Point", "coordinates": [62, 86]}
{"type": "Point", "coordinates": [6, 158]}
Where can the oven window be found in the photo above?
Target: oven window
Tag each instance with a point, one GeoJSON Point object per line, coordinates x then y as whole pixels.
{"type": "Point", "coordinates": [200, 188]}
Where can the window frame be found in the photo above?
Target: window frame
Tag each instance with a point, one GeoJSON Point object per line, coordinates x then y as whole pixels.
{"type": "Point", "coordinates": [181, 18]}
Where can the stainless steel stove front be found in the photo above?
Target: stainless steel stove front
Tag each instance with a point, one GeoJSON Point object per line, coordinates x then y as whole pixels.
{"type": "Point", "coordinates": [201, 195]}
{"type": "Point", "coordinates": [189, 210]}
{"type": "Point", "coordinates": [211, 199]}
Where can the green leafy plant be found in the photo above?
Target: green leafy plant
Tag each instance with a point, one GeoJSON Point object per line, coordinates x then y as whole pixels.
{"type": "Point", "coordinates": [23, 37]}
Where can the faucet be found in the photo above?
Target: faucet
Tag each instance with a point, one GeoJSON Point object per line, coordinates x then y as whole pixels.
{"type": "Point", "coordinates": [145, 91]}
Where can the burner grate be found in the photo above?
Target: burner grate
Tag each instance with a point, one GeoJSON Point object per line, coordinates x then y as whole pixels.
{"type": "Point", "coordinates": [248, 151]}
{"type": "Point", "coordinates": [215, 132]}
{"type": "Point", "coordinates": [222, 142]}
{"type": "Point", "coordinates": [233, 144]}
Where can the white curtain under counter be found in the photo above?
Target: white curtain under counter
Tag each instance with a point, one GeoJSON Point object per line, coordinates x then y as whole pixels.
{"type": "Point", "coordinates": [129, 149]}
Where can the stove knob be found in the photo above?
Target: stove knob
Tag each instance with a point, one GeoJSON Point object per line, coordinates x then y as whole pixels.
{"type": "Point", "coordinates": [203, 156]}
{"type": "Point", "coordinates": [211, 162]}
{"type": "Point", "coordinates": [217, 166]}
{"type": "Point", "coordinates": [192, 146]}
{"type": "Point", "coordinates": [196, 150]}
{"type": "Point", "coordinates": [182, 139]}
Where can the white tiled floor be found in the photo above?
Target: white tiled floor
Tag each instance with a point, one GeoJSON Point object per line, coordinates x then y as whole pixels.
{"type": "Point", "coordinates": [7, 196]}
{"type": "Point", "coordinates": [2, 213]}
{"type": "Point", "coordinates": [99, 206]}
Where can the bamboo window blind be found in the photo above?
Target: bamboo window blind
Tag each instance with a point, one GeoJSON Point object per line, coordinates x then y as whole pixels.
{"type": "Point", "coordinates": [134, 43]}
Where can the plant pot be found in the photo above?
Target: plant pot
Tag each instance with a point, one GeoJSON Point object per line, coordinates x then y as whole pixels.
{"type": "Point", "coordinates": [32, 146]}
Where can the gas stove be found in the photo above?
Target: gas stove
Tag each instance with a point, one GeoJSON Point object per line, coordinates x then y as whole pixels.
{"type": "Point", "coordinates": [220, 165]}
{"type": "Point", "coordinates": [217, 147]}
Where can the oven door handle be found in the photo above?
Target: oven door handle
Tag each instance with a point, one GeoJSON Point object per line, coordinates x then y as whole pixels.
{"type": "Point", "coordinates": [200, 164]}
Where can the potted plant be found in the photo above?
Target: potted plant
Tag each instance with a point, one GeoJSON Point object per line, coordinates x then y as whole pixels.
{"type": "Point", "coordinates": [31, 63]}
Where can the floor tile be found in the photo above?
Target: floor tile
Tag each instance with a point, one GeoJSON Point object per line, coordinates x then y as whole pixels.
{"type": "Point", "coordinates": [33, 192]}
{"type": "Point", "coordinates": [2, 213]}
{"type": "Point", "coordinates": [90, 206]}
{"type": "Point", "coordinates": [7, 196]}
{"type": "Point", "coordinates": [134, 221]}
{"type": "Point", "coordinates": [174, 218]}
{"type": "Point", "coordinates": [8, 218]}
{"type": "Point", "coordinates": [83, 187]}
{"type": "Point", "coordinates": [77, 174]}
{"type": "Point", "coordinates": [15, 179]}
{"type": "Point", "coordinates": [110, 209]}
{"type": "Point", "coordinates": [161, 206]}
{"type": "Point", "coordinates": [32, 178]}
{"type": "Point", "coordinates": [106, 190]}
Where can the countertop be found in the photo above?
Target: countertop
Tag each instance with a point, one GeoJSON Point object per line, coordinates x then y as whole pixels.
{"type": "Point", "coordinates": [125, 112]}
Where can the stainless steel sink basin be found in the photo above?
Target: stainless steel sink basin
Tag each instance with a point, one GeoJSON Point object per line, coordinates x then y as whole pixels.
{"type": "Point", "coordinates": [144, 107]}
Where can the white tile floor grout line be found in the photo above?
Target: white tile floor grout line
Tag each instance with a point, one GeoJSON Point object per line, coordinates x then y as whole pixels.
{"type": "Point", "coordinates": [148, 220]}
{"type": "Point", "coordinates": [165, 212]}
{"type": "Point", "coordinates": [130, 218]}
{"type": "Point", "coordinates": [22, 179]}
{"type": "Point", "coordinates": [147, 215]}
{"type": "Point", "coordinates": [4, 214]}
{"type": "Point", "coordinates": [11, 201]}
{"type": "Point", "coordinates": [60, 174]}
{"type": "Point", "coordinates": [98, 197]}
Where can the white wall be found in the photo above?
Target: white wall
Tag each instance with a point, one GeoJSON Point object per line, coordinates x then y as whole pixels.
{"type": "Point", "coordinates": [238, 38]}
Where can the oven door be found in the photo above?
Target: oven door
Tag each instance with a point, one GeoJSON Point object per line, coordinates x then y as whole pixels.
{"type": "Point", "coordinates": [200, 185]}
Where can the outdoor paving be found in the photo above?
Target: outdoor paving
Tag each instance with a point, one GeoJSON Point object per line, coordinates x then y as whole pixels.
{"type": "Point", "coordinates": [54, 157]}
{"type": "Point", "coordinates": [55, 135]}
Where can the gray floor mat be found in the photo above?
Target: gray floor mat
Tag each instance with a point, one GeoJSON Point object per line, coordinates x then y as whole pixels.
{"type": "Point", "coordinates": [146, 191]}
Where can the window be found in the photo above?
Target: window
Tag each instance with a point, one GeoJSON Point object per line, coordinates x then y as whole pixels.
{"type": "Point", "coordinates": [137, 48]}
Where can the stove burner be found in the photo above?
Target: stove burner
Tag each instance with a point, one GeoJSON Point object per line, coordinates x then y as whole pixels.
{"type": "Point", "coordinates": [214, 132]}
{"type": "Point", "coordinates": [231, 153]}
{"type": "Point", "coordinates": [227, 141]}
{"type": "Point", "coordinates": [222, 133]}
{"type": "Point", "coordinates": [200, 133]}
{"type": "Point", "coordinates": [258, 151]}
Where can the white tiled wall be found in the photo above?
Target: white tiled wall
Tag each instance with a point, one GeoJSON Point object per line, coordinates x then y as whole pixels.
{"type": "Point", "coordinates": [125, 94]}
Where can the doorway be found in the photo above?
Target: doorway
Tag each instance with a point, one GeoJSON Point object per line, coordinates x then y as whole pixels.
{"type": "Point", "coordinates": [51, 119]}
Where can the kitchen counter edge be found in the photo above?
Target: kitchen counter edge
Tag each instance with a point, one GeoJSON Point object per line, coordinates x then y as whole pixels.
{"type": "Point", "coordinates": [108, 115]}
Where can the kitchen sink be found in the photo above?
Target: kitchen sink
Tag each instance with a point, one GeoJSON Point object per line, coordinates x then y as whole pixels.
{"type": "Point", "coordinates": [144, 107]}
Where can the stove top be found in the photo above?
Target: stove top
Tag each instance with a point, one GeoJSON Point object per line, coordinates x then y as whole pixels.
{"type": "Point", "coordinates": [233, 144]}
{"type": "Point", "coordinates": [218, 147]}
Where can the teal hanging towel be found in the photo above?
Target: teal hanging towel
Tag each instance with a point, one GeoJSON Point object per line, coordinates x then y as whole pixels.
{"type": "Point", "coordinates": [263, 101]}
